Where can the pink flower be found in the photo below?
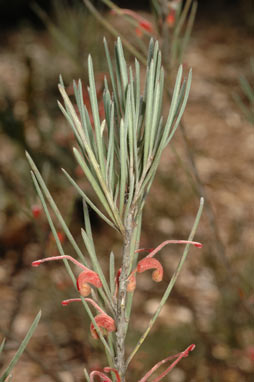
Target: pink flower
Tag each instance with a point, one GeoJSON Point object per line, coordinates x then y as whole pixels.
{"type": "Point", "coordinates": [85, 278]}
{"type": "Point", "coordinates": [144, 265]}
{"type": "Point", "coordinates": [103, 320]}
{"type": "Point", "coordinates": [149, 262]}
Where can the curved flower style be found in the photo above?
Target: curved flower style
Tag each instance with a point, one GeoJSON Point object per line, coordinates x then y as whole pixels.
{"type": "Point", "coordinates": [84, 279]}
{"type": "Point", "coordinates": [178, 357]}
{"type": "Point", "coordinates": [148, 262]}
{"type": "Point", "coordinates": [103, 320]}
{"type": "Point", "coordinates": [103, 377]}
{"type": "Point", "coordinates": [166, 242]}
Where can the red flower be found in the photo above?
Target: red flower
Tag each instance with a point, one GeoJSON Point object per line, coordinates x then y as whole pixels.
{"type": "Point", "coordinates": [171, 18]}
{"type": "Point", "coordinates": [103, 320]}
{"type": "Point", "coordinates": [36, 211]}
{"type": "Point", "coordinates": [143, 24]}
{"type": "Point", "coordinates": [85, 278]}
{"type": "Point", "coordinates": [146, 25]}
{"type": "Point", "coordinates": [149, 262]}
{"type": "Point", "coordinates": [60, 236]}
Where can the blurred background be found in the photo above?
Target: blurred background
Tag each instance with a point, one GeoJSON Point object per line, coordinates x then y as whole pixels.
{"type": "Point", "coordinates": [212, 155]}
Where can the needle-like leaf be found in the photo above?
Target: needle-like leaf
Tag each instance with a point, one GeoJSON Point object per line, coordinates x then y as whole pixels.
{"type": "Point", "coordinates": [21, 348]}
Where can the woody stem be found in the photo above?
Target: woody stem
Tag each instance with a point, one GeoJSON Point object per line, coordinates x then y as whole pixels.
{"type": "Point", "coordinates": [121, 319]}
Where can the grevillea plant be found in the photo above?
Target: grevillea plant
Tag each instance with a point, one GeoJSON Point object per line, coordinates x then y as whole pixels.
{"type": "Point", "coordinates": [119, 156]}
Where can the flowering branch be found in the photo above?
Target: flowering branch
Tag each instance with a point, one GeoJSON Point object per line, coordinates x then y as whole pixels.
{"type": "Point", "coordinates": [149, 263]}
{"type": "Point", "coordinates": [103, 320]}
{"type": "Point", "coordinates": [84, 279]}
{"type": "Point", "coordinates": [119, 156]}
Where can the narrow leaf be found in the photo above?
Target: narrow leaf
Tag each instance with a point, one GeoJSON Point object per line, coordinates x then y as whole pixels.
{"type": "Point", "coordinates": [54, 207]}
{"type": "Point", "coordinates": [2, 346]}
{"type": "Point", "coordinates": [88, 201]}
{"type": "Point", "coordinates": [21, 349]}
{"type": "Point", "coordinates": [53, 229]}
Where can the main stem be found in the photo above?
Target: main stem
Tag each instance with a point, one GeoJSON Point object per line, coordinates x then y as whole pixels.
{"type": "Point", "coordinates": [121, 319]}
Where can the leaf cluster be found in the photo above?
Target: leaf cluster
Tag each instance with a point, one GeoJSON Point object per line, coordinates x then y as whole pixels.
{"type": "Point", "coordinates": [120, 154]}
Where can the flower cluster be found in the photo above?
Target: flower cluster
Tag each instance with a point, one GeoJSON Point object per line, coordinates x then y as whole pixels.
{"type": "Point", "coordinates": [106, 324]}
{"type": "Point", "coordinates": [149, 262]}
{"type": "Point", "coordinates": [103, 320]}
{"type": "Point", "coordinates": [86, 279]}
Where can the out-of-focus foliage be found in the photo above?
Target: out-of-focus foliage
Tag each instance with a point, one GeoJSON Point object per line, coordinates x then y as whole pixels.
{"type": "Point", "coordinates": [72, 31]}
{"type": "Point", "coordinates": [246, 100]}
